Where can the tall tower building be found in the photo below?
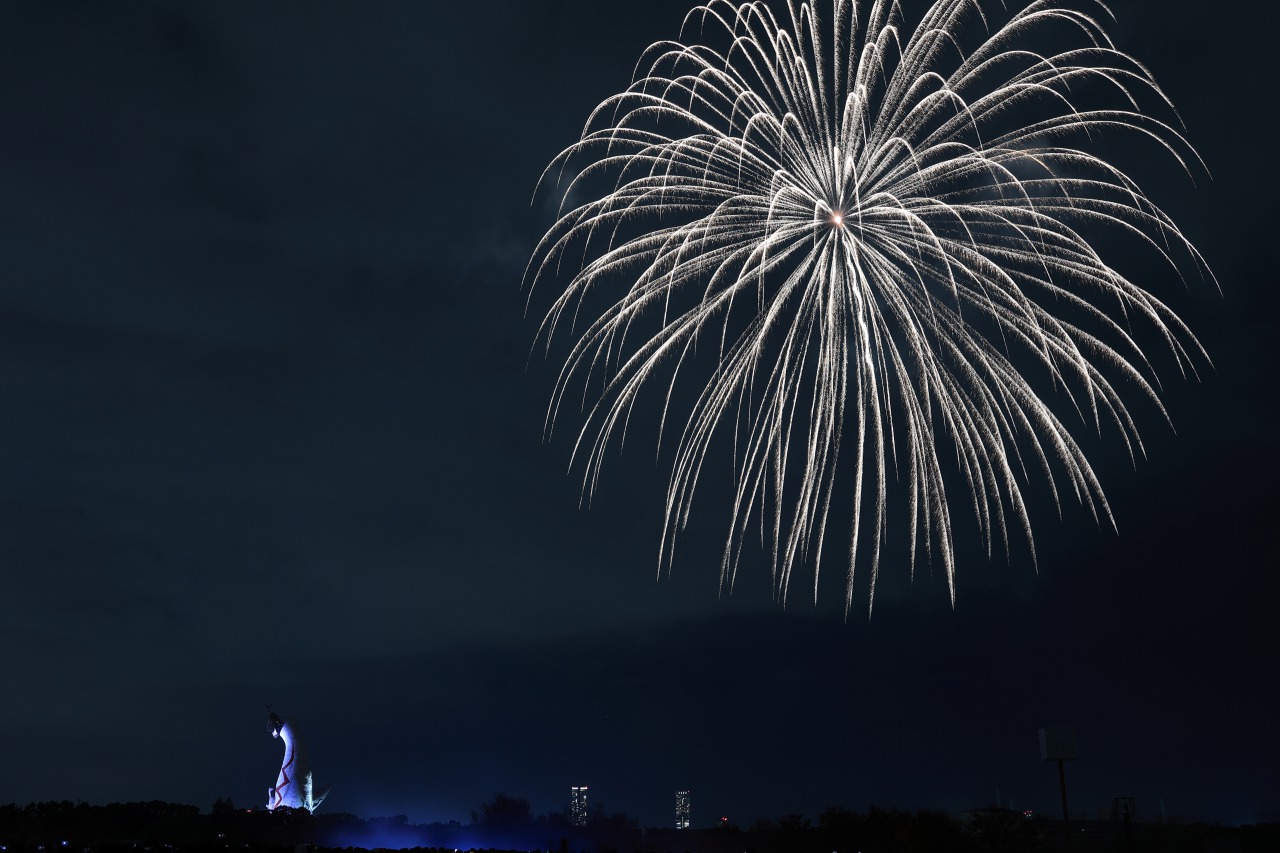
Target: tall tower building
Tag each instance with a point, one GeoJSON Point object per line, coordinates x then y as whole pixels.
{"type": "Point", "coordinates": [578, 805]}
{"type": "Point", "coordinates": [682, 809]}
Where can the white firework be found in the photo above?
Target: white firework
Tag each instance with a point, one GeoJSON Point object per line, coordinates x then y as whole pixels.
{"type": "Point", "coordinates": [883, 236]}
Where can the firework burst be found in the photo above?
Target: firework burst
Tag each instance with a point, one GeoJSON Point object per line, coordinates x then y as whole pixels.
{"type": "Point", "coordinates": [882, 236]}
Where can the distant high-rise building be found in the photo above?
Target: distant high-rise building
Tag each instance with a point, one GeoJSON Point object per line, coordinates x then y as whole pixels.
{"type": "Point", "coordinates": [578, 805]}
{"type": "Point", "coordinates": [682, 809]}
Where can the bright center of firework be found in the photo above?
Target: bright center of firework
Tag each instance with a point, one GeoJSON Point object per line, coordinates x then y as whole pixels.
{"type": "Point", "coordinates": [837, 220]}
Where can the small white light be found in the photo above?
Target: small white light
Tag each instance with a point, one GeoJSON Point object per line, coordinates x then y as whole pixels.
{"type": "Point", "coordinates": [837, 219]}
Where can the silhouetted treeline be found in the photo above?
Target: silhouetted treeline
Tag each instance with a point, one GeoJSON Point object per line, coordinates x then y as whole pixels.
{"type": "Point", "coordinates": [507, 823]}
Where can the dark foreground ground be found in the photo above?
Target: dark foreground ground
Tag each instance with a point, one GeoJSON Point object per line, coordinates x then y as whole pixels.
{"type": "Point", "coordinates": [164, 827]}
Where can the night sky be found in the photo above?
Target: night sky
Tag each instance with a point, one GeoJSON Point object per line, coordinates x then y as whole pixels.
{"type": "Point", "coordinates": [270, 432]}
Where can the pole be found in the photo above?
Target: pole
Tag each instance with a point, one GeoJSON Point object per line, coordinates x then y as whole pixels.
{"type": "Point", "coordinates": [1062, 783]}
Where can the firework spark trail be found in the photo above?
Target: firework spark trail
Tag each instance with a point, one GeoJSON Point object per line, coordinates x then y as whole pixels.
{"type": "Point", "coordinates": [870, 229]}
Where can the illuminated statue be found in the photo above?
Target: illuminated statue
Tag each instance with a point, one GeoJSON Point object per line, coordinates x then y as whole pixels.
{"type": "Point", "coordinates": [293, 787]}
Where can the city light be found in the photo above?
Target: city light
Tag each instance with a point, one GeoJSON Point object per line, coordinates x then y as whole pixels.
{"type": "Point", "coordinates": [578, 805]}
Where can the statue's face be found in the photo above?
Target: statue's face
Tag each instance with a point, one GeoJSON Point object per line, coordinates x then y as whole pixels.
{"type": "Point", "coordinates": [276, 725]}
